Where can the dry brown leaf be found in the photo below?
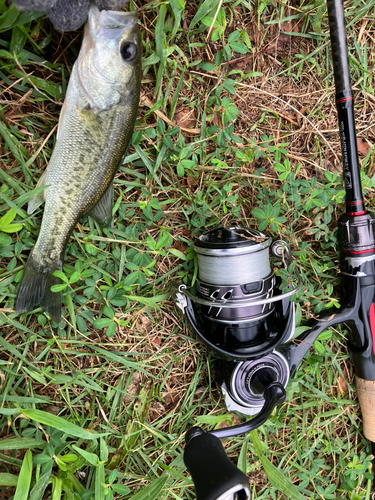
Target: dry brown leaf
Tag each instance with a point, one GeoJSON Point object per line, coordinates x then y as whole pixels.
{"type": "Point", "coordinates": [133, 389]}
{"type": "Point", "coordinates": [363, 146]}
{"type": "Point", "coordinates": [191, 182]}
{"type": "Point", "coordinates": [185, 117]}
{"type": "Point", "coordinates": [180, 246]}
{"type": "Point", "coordinates": [341, 386]}
{"type": "Point", "coordinates": [155, 340]}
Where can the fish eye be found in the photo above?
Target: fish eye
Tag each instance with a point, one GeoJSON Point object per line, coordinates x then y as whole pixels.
{"type": "Point", "coordinates": [128, 51]}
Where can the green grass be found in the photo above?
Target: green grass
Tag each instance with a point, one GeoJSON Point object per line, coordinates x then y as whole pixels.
{"type": "Point", "coordinates": [103, 399]}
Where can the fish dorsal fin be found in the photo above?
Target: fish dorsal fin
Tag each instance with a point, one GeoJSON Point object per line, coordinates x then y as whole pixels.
{"type": "Point", "coordinates": [38, 199]}
{"type": "Point", "coordinates": [102, 211]}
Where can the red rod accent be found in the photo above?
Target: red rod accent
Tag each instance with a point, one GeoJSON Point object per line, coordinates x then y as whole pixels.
{"type": "Point", "coordinates": [345, 99]}
{"type": "Point", "coordinates": [355, 214]}
{"type": "Point", "coordinates": [372, 325]}
{"type": "Point", "coordinates": [354, 202]}
{"type": "Point", "coordinates": [362, 251]}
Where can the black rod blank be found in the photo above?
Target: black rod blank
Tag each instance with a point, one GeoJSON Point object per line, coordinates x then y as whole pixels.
{"type": "Point", "coordinates": [345, 109]}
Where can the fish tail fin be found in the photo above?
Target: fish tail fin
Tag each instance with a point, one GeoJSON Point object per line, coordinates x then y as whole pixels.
{"type": "Point", "coordinates": [35, 288]}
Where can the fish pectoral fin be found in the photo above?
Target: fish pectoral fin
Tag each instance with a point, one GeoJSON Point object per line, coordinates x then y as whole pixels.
{"type": "Point", "coordinates": [37, 200]}
{"type": "Point", "coordinates": [102, 211]}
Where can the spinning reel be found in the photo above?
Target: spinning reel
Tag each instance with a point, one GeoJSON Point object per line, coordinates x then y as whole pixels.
{"type": "Point", "coordinates": [240, 312]}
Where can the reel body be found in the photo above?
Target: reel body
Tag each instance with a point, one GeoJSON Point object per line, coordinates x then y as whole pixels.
{"type": "Point", "coordinates": [240, 312]}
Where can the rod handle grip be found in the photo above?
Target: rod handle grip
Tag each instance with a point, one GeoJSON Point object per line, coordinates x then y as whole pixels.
{"type": "Point", "coordinates": [366, 397]}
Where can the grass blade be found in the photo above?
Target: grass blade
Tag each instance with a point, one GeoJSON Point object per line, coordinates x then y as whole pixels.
{"type": "Point", "coordinates": [152, 491]}
{"type": "Point", "coordinates": [148, 164]}
{"type": "Point", "coordinates": [99, 482]}
{"type": "Point", "coordinates": [60, 423]}
{"type": "Point", "coordinates": [56, 488]}
{"type": "Point", "coordinates": [159, 36]}
{"type": "Point", "coordinates": [24, 479]}
{"type": "Point", "coordinates": [275, 476]}
{"type": "Point", "coordinates": [38, 491]}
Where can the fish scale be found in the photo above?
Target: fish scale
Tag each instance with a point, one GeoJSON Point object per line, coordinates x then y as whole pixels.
{"type": "Point", "coordinates": [95, 129]}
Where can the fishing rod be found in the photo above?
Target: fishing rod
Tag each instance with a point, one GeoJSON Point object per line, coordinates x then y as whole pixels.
{"type": "Point", "coordinates": [242, 311]}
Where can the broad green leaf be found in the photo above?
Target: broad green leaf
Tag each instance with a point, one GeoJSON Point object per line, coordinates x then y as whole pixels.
{"type": "Point", "coordinates": [274, 475]}
{"type": "Point", "coordinates": [7, 479]}
{"type": "Point", "coordinates": [5, 240]}
{"type": "Point", "coordinates": [120, 489]}
{"type": "Point", "coordinates": [58, 288]}
{"type": "Point", "coordinates": [101, 323]}
{"type": "Point", "coordinates": [69, 457]}
{"type": "Point", "coordinates": [19, 444]}
{"type": "Point", "coordinates": [205, 8]}
{"type": "Point", "coordinates": [8, 18]}
{"type": "Point", "coordinates": [239, 47]}
{"type": "Point", "coordinates": [60, 423]}
{"type": "Point", "coordinates": [8, 218]}
{"type": "Point", "coordinates": [206, 66]}
{"type": "Point", "coordinates": [164, 240]}
{"type": "Point", "coordinates": [319, 347]}
{"type": "Point", "coordinates": [177, 253]}
{"type": "Point", "coordinates": [234, 36]}
{"type": "Point", "coordinates": [42, 458]}
{"type": "Point", "coordinates": [111, 330]}
{"type": "Point", "coordinates": [92, 458]}
{"type": "Point", "coordinates": [258, 213]}
{"type": "Point", "coordinates": [24, 479]}
{"type": "Point", "coordinates": [19, 37]}
{"type": "Point", "coordinates": [12, 228]}
{"type": "Point", "coordinates": [61, 275]}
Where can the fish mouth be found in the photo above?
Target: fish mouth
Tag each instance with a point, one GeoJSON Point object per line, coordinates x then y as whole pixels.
{"type": "Point", "coordinates": [110, 23]}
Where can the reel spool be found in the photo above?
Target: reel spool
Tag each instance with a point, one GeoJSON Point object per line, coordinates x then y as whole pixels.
{"type": "Point", "coordinates": [239, 310]}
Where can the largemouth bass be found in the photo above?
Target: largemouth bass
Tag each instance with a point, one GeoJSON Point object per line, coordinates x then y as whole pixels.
{"type": "Point", "coordinates": [94, 132]}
